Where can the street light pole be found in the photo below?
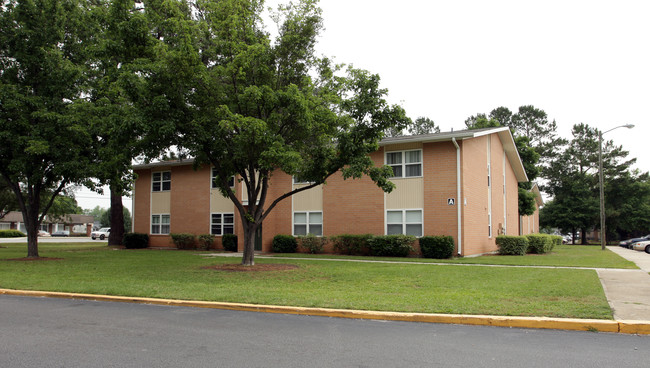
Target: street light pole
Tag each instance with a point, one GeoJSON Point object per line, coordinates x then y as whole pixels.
{"type": "Point", "coordinates": [603, 240]}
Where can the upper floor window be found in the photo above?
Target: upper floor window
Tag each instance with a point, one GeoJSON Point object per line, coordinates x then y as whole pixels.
{"type": "Point", "coordinates": [405, 163]}
{"type": "Point", "coordinates": [231, 180]}
{"type": "Point", "coordinates": [161, 181]}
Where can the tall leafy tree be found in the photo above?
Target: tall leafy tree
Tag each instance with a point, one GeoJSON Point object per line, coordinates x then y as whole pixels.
{"type": "Point", "coordinates": [423, 125]}
{"type": "Point", "coordinates": [122, 43]}
{"type": "Point", "coordinates": [252, 106]}
{"type": "Point", "coordinates": [572, 176]}
{"type": "Point", "coordinates": [44, 145]}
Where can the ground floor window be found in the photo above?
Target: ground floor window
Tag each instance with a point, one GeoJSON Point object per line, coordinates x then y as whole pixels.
{"type": "Point", "coordinates": [408, 222]}
{"type": "Point", "coordinates": [43, 227]}
{"type": "Point", "coordinates": [222, 223]}
{"type": "Point", "coordinates": [5, 226]}
{"type": "Point", "coordinates": [160, 224]}
{"type": "Point", "coordinates": [308, 223]}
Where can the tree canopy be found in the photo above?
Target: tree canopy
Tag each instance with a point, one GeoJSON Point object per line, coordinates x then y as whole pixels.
{"type": "Point", "coordinates": [44, 145]}
{"type": "Point", "coordinates": [251, 106]}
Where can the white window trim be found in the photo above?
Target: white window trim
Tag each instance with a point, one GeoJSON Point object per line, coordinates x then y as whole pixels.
{"type": "Point", "coordinates": [403, 164]}
{"type": "Point", "coordinates": [308, 224]}
{"type": "Point", "coordinates": [161, 181]}
{"type": "Point", "coordinates": [160, 215]}
{"type": "Point", "coordinates": [222, 222]}
{"type": "Point", "coordinates": [404, 223]}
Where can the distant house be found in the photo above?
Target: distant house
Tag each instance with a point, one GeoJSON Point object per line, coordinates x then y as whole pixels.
{"type": "Point", "coordinates": [462, 184]}
{"type": "Point", "coordinates": [75, 224]}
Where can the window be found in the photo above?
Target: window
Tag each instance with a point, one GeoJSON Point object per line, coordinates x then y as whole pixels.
{"type": "Point", "coordinates": [405, 164]}
{"type": "Point", "coordinates": [231, 181]}
{"type": "Point", "coordinates": [161, 181]}
{"type": "Point", "coordinates": [43, 227]}
{"type": "Point", "coordinates": [308, 223]}
{"type": "Point", "coordinates": [160, 224]}
{"type": "Point", "coordinates": [408, 222]}
{"type": "Point", "coordinates": [222, 223]}
{"type": "Point", "coordinates": [297, 180]}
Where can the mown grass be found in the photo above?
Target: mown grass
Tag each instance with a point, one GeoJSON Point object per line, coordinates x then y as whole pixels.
{"type": "Point", "coordinates": [98, 269]}
{"type": "Point", "coordinates": [562, 256]}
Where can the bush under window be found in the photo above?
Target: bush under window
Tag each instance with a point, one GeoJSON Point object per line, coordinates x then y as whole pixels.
{"type": "Point", "coordinates": [438, 247]}
{"type": "Point", "coordinates": [284, 244]}
{"type": "Point", "coordinates": [136, 240]}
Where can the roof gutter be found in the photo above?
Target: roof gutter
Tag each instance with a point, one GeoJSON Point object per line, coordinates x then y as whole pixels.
{"type": "Point", "coordinates": [458, 201]}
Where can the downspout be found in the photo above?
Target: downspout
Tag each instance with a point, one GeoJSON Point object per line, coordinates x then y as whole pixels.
{"type": "Point", "coordinates": [458, 201]}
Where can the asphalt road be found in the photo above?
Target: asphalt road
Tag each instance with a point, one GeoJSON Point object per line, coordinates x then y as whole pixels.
{"type": "Point", "coordinates": [42, 332]}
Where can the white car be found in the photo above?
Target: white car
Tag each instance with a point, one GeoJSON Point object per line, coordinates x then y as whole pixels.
{"type": "Point", "coordinates": [642, 246]}
{"type": "Point", "coordinates": [101, 233]}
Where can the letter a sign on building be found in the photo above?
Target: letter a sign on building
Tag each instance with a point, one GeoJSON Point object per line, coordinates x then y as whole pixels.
{"type": "Point", "coordinates": [451, 201]}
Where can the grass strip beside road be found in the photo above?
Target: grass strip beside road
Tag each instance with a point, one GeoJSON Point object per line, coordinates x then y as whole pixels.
{"type": "Point", "coordinates": [97, 269]}
{"type": "Point", "coordinates": [562, 256]}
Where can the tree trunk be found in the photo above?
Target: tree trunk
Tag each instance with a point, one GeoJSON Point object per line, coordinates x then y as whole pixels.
{"type": "Point", "coordinates": [583, 236]}
{"type": "Point", "coordinates": [32, 238]}
{"type": "Point", "coordinates": [117, 218]}
{"type": "Point", "coordinates": [249, 244]}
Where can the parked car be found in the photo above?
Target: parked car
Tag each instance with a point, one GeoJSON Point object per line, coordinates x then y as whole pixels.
{"type": "Point", "coordinates": [628, 242]}
{"type": "Point", "coordinates": [43, 233]}
{"type": "Point", "coordinates": [102, 233]}
{"type": "Point", "coordinates": [61, 233]}
{"type": "Point", "coordinates": [642, 246]}
{"type": "Point", "coordinates": [566, 239]}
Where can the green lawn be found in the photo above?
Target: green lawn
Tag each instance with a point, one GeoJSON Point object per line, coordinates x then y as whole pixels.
{"type": "Point", "coordinates": [562, 256]}
{"type": "Point", "coordinates": [315, 283]}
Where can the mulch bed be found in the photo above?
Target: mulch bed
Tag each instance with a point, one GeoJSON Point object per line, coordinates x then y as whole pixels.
{"type": "Point", "coordinates": [255, 268]}
{"type": "Point", "coordinates": [34, 259]}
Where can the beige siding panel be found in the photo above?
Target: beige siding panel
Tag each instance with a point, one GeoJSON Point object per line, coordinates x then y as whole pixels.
{"type": "Point", "coordinates": [161, 202]}
{"type": "Point", "coordinates": [308, 200]}
{"type": "Point", "coordinates": [403, 146]}
{"type": "Point", "coordinates": [409, 193]}
{"type": "Point", "coordinates": [219, 203]}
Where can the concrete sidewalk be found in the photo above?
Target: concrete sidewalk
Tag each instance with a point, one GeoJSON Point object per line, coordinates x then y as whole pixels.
{"type": "Point", "coordinates": [628, 291]}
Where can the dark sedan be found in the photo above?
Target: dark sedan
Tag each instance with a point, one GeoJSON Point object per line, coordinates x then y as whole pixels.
{"type": "Point", "coordinates": [628, 243]}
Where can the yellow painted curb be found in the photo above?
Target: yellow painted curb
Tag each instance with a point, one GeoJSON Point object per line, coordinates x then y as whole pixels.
{"type": "Point", "coordinates": [629, 327]}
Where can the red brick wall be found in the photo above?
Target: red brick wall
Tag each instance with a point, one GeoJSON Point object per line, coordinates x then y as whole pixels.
{"type": "Point", "coordinates": [353, 206]}
{"type": "Point", "coordinates": [439, 169]}
{"type": "Point", "coordinates": [475, 189]}
{"type": "Point", "coordinates": [141, 202]}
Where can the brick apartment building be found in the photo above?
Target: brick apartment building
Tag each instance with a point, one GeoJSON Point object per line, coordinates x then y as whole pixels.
{"type": "Point", "coordinates": [462, 184]}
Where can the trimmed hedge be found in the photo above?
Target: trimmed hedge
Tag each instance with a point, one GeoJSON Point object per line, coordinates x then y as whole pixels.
{"type": "Point", "coordinates": [391, 245]}
{"type": "Point", "coordinates": [512, 245]}
{"type": "Point", "coordinates": [136, 240]}
{"type": "Point", "coordinates": [205, 241]}
{"type": "Point", "coordinates": [312, 243]}
{"type": "Point", "coordinates": [184, 240]}
{"type": "Point", "coordinates": [557, 240]}
{"type": "Point", "coordinates": [540, 243]}
{"type": "Point", "coordinates": [284, 244]}
{"type": "Point", "coordinates": [12, 234]}
{"type": "Point", "coordinates": [438, 247]}
{"type": "Point", "coordinates": [352, 244]}
{"type": "Point", "coordinates": [229, 242]}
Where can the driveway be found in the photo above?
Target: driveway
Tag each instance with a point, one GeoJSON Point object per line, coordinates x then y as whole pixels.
{"type": "Point", "coordinates": [628, 291]}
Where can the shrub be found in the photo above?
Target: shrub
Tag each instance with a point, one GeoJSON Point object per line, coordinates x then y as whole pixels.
{"type": "Point", "coordinates": [206, 241]}
{"type": "Point", "coordinates": [539, 243]}
{"type": "Point", "coordinates": [12, 234]}
{"type": "Point", "coordinates": [557, 240]}
{"type": "Point", "coordinates": [351, 244]}
{"type": "Point", "coordinates": [184, 240]}
{"type": "Point", "coordinates": [438, 247]}
{"type": "Point", "coordinates": [512, 245]}
{"type": "Point", "coordinates": [229, 242]}
{"type": "Point", "coordinates": [391, 245]}
{"type": "Point", "coordinates": [312, 244]}
{"type": "Point", "coordinates": [136, 240]}
{"type": "Point", "coordinates": [284, 244]}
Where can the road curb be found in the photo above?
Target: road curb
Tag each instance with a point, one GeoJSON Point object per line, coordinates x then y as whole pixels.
{"type": "Point", "coordinates": [627, 327]}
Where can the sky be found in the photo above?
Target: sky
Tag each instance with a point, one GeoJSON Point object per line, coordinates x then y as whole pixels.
{"type": "Point", "coordinates": [579, 61]}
